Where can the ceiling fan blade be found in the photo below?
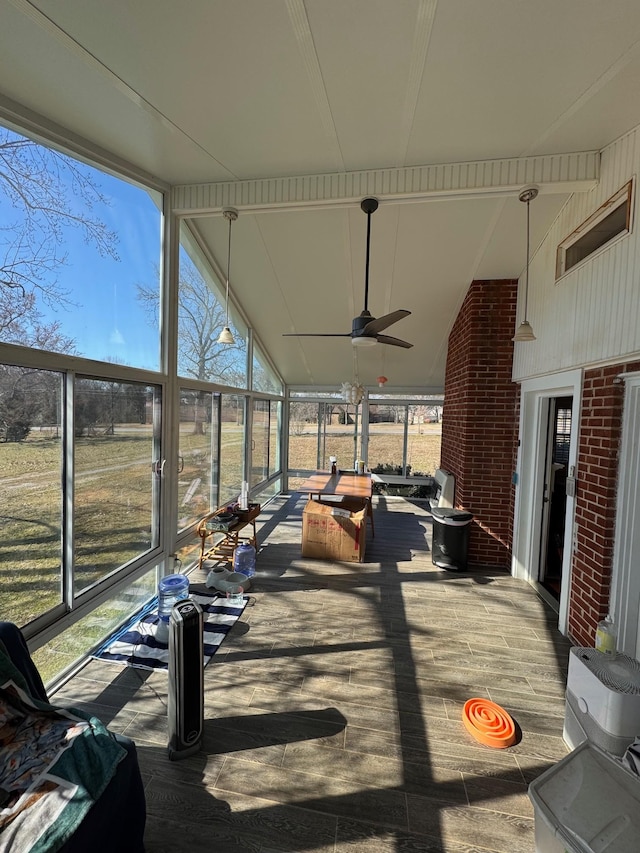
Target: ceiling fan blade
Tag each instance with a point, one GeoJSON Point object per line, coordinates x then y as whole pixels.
{"type": "Point", "coordinates": [316, 335]}
{"type": "Point", "coordinates": [394, 342]}
{"type": "Point", "coordinates": [377, 325]}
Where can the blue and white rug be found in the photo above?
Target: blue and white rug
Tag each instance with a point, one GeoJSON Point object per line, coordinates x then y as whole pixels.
{"type": "Point", "coordinates": [136, 644]}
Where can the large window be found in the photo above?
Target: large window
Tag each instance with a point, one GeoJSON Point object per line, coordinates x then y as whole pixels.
{"type": "Point", "coordinates": [264, 378]}
{"type": "Point", "coordinates": [232, 437]}
{"type": "Point", "coordinates": [259, 442]}
{"type": "Point", "coordinates": [401, 439]}
{"type": "Point", "coordinates": [116, 475]}
{"type": "Point", "coordinates": [387, 438]}
{"type": "Point", "coordinates": [201, 317]}
{"type": "Point", "coordinates": [198, 456]}
{"type": "Point", "coordinates": [275, 429]}
{"type": "Point", "coordinates": [318, 431]}
{"type": "Point", "coordinates": [67, 648]}
{"type": "Point", "coordinates": [80, 257]}
{"type": "Point", "coordinates": [404, 438]}
{"type": "Point", "coordinates": [30, 492]}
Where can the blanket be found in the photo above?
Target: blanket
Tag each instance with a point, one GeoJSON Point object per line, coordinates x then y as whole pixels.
{"type": "Point", "coordinates": [54, 766]}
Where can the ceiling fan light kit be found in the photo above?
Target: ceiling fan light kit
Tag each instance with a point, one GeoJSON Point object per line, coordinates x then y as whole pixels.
{"type": "Point", "coordinates": [361, 341]}
{"type": "Point", "coordinates": [365, 328]}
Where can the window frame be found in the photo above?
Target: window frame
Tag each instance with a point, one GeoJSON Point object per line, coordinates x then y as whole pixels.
{"type": "Point", "coordinates": [624, 196]}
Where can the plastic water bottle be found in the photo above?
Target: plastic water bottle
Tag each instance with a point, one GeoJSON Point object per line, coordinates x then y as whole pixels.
{"type": "Point", "coordinates": [606, 637]}
{"type": "Point", "coordinates": [244, 559]}
{"type": "Point", "coordinates": [171, 588]}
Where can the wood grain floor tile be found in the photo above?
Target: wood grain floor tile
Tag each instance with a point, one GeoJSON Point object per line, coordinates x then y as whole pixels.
{"type": "Point", "coordinates": [333, 708]}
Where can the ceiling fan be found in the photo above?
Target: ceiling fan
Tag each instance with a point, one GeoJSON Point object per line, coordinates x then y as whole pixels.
{"type": "Point", "coordinates": [365, 329]}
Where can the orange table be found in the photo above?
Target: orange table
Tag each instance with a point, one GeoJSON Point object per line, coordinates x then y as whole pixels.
{"type": "Point", "coordinates": [348, 485]}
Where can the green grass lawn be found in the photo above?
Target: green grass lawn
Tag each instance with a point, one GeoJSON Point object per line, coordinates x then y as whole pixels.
{"type": "Point", "coordinates": [113, 516]}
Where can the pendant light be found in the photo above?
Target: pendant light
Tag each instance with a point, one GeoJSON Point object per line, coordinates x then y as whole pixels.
{"type": "Point", "coordinates": [352, 392]}
{"type": "Point", "coordinates": [226, 336]}
{"type": "Point", "coordinates": [525, 332]}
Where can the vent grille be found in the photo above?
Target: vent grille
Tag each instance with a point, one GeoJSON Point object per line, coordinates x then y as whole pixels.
{"type": "Point", "coordinates": [621, 673]}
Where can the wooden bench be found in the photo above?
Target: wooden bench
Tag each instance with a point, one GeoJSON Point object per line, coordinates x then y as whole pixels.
{"type": "Point", "coordinates": [225, 540]}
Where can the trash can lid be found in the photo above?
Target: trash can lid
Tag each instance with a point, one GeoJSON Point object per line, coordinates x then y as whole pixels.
{"type": "Point", "coordinates": [447, 515]}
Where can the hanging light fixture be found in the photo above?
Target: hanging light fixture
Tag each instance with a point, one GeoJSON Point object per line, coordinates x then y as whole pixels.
{"type": "Point", "coordinates": [525, 332]}
{"type": "Point", "coordinates": [381, 381]}
{"type": "Point", "coordinates": [352, 392]}
{"type": "Point", "coordinates": [226, 336]}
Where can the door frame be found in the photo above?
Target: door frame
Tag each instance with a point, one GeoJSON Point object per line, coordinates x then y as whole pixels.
{"type": "Point", "coordinates": [535, 395]}
{"type": "Point", "coordinates": [625, 578]}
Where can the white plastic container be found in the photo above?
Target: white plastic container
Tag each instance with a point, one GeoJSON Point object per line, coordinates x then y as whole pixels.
{"type": "Point", "coordinates": [603, 700]}
{"type": "Point", "coordinates": [587, 803]}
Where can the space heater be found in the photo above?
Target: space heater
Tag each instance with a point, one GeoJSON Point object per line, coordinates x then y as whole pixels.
{"type": "Point", "coordinates": [186, 679]}
{"type": "Point", "coordinates": [444, 486]}
{"type": "Point", "coordinates": [602, 700]}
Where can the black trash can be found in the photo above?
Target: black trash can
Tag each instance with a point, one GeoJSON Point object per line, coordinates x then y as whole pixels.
{"type": "Point", "coordinates": [450, 544]}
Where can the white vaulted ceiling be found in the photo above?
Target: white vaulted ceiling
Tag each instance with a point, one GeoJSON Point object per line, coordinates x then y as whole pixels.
{"type": "Point", "coordinates": [230, 93]}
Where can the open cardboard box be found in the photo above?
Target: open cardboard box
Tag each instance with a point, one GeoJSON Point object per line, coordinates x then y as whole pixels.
{"type": "Point", "coordinates": [335, 531]}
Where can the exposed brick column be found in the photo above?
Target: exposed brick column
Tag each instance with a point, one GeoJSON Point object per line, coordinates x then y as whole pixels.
{"type": "Point", "coordinates": [598, 449]}
{"type": "Point", "coordinates": [480, 418]}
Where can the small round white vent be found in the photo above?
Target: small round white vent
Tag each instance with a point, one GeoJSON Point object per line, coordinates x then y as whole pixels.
{"type": "Point", "coordinates": [620, 673]}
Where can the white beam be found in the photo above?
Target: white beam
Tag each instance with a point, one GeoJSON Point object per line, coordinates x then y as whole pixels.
{"type": "Point", "coordinates": [553, 173]}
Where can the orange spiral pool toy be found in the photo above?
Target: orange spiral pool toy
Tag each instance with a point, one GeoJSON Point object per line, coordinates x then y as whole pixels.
{"type": "Point", "coordinates": [489, 723]}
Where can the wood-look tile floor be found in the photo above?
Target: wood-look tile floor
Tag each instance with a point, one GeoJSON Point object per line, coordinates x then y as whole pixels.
{"type": "Point", "coordinates": [333, 708]}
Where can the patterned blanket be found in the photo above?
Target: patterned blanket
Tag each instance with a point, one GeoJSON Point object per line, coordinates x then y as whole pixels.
{"type": "Point", "coordinates": [54, 765]}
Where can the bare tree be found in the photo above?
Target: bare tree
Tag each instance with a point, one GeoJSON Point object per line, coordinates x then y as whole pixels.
{"type": "Point", "coordinates": [48, 193]}
{"type": "Point", "coordinates": [200, 321]}
{"type": "Point", "coordinates": [303, 417]}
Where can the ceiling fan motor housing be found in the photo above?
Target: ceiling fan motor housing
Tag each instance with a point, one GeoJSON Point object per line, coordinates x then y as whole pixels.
{"type": "Point", "coordinates": [358, 324]}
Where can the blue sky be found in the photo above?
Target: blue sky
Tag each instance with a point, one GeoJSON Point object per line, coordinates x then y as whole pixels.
{"type": "Point", "coordinates": [108, 322]}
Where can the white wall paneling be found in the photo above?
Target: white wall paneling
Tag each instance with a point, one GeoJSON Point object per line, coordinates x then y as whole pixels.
{"type": "Point", "coordinates": [592, 313]}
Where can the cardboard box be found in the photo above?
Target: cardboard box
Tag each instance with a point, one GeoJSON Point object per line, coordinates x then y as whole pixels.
{"type": "Point", "coordinates": [335, 531]}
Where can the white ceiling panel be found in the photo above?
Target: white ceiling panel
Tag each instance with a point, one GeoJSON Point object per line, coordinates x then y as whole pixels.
{"type": "Point", "coordinates": [235, 90]}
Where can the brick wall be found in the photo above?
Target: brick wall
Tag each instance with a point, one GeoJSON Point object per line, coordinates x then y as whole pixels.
{"type": "Point", "coordinates": [480, 417]}
{"type": "Point", "coordinates": [598, 449]}
{"type": "Point", "coordinates": [479, 446]}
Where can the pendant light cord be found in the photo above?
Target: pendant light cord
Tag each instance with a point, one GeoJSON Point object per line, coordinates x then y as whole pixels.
{"type": "Point", "coordinates": [526, 281]}
{"type": "Point", "coordinates": [528, 194]}
{"type": "Point", "coordinates": [229, 268]}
